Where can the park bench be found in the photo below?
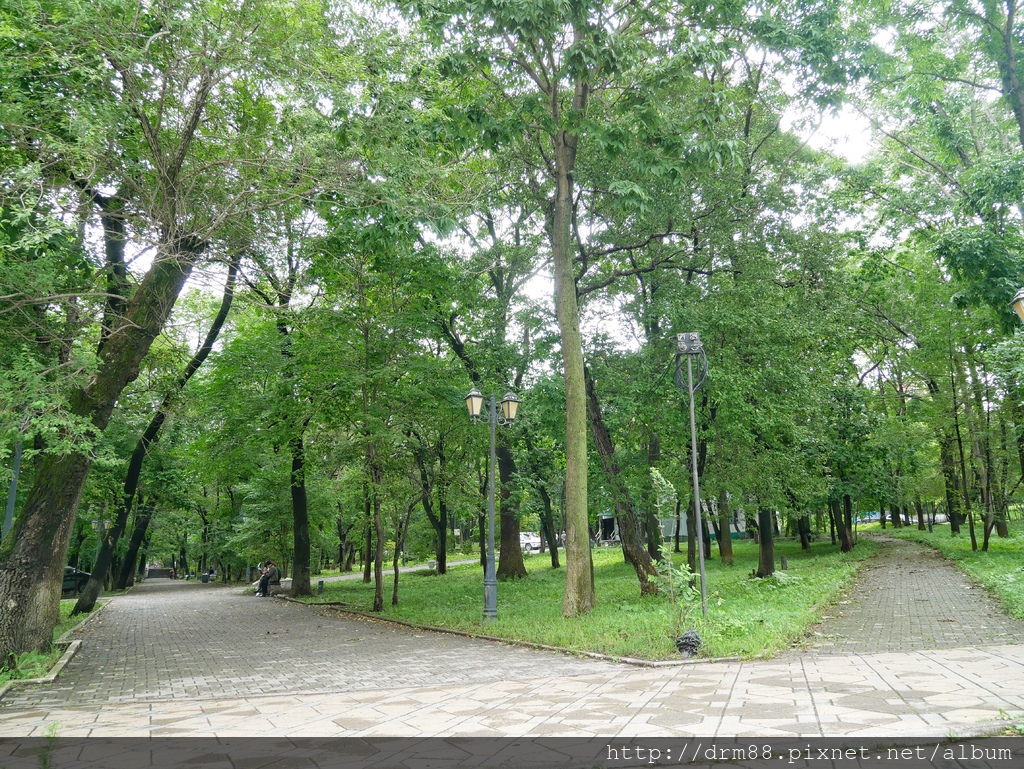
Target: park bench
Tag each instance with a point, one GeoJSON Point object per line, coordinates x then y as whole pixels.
{"type": "Point", "coordinates": [278, 588]}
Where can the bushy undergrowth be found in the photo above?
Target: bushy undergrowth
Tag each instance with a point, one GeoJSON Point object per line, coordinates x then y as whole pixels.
{"type": "Point", "coordinates": [746, 617]}
{"type": "Point", "coordinates": [1000, 570]}
{"type": "Point", "coordinates": [37, 664]}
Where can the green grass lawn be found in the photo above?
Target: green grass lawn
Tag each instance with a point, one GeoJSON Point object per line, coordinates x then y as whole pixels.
{"type": "Point", "coordinates": [1000, 570]}
{"type": "Point", "coordinates": [36, 664]}
{"type": "Point", "coordinates": [746, 617]}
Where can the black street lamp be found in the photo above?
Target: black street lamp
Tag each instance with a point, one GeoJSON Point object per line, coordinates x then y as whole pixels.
{"type": "Point", "coordinates": [509, 408]}
{"type": "Point", "coordinates": [689, 345]}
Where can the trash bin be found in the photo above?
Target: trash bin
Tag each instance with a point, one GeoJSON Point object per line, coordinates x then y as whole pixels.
{"type": "Point", "coordinates": [206, 578]}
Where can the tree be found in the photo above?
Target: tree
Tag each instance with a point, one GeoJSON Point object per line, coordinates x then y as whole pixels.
{"type": "Point", "coordinates": [142, 91]}
{"type": "Point", "coordinates": [87, 599]}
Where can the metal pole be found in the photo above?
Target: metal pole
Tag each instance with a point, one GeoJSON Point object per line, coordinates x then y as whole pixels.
{"type": "Point", "coordinates": [696, 489]}
{"type": "Point", "coordinates": [490, 581]}
{"type": "Point", "coordinates": [13, 493]}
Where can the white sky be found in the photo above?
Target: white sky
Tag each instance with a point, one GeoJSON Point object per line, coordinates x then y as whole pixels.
{"type": "Point", "coordinates": [846, 133]}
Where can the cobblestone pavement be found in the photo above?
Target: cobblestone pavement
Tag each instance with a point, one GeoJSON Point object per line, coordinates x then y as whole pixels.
{"type": "Point", "coordinates": [909, 598]}
{"type": "Point", "coordinates": [187, 659]}
{"type": "Point", "coordinates": [171, 639]}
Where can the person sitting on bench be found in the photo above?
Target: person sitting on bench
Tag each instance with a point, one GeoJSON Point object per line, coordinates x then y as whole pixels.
{"type": "Point", "coordinates": [271, 576]}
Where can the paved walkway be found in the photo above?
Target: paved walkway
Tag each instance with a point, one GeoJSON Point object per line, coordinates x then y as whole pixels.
{"type": "Point", "coordinates": [909, 598]}
{"type": "Point", "coordinates": [183, 658]}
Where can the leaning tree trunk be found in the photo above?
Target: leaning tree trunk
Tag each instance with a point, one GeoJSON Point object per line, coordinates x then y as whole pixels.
{"type": "Point", "coordinates": [547, 522]}
{"type": "Point", "coordinates": [547, 518]}
{"type": "Point", "coordinates": [633, 549]}
{"type": "Point", "coordinates": [32, 570]}
{"type": "Point", "coordinates": [108, 544]}
{"type": "Point", "coordinates": [135, 544]}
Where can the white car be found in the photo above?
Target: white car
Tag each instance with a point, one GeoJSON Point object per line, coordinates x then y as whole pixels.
{"type": "Point", "coordinates": [529, 541]}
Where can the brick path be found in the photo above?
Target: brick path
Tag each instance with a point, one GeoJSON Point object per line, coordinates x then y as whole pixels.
{"type": "Point", "coordinates": [171, 639]}
{"type": "Point", "coordinates": [910, 598]}
{"type": "Point", "coordinates": [187, 659]}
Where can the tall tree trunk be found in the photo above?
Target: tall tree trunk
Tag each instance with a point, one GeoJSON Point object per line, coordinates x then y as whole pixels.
{"type": "Point", "coordinates": [377, 478]}
{"type": "Point", "coordinates": [963, 466]}
{"type": "Point", "coordinates": [32, 569]}
{"type": "Point", "coordinates": [651, 522]}
{"type": "Point", "coordinates": [629, 528]}
{"type": "Point", "coordinates": [344, 550]}
{"type": "Point", "coordinates": [945, 439]}
{"type": "Point", "coordinates": [766, 543]}
{"type": "Point", "coordinates": [300, 518]}
{"type": "Point", "coordinates": [400, 535]}
{"type": "Point", "coordinates": [579, 574]}
{"type": "Point", "coordinates": [368, 540]}
{"type": "Point", "coordinates": [803, 527]}
{"type": "Point", "coordinates": [442, 512]}
{"type": "Point", "coordinates": [725, 527]}
{"type": "Point", "coordinates": [845, 542]}
{"type": "Point", "coordinates": [848, 519]}
{"type": "Point", "coordinates": [678, 524]}
{"type": "Point", "coordinates": [510, 555]}
{"type": "Point", "coordinates": [950, 484]}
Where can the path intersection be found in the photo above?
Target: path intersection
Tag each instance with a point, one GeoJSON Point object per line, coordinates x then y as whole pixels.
{"type": "Point", "coordinates": [915, 650]}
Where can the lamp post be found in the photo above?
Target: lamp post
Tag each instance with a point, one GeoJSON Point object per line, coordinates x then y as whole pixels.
{"type": "Point", "coordinates": [689, 345]}
{"type": "Point", "coordinates": [509, 408]}
{"type": "Point", "coordinates": [1018, 304]}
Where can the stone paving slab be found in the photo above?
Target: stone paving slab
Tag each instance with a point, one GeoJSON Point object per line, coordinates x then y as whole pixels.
{"type": "Point", "coordinates": [850, 696]}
